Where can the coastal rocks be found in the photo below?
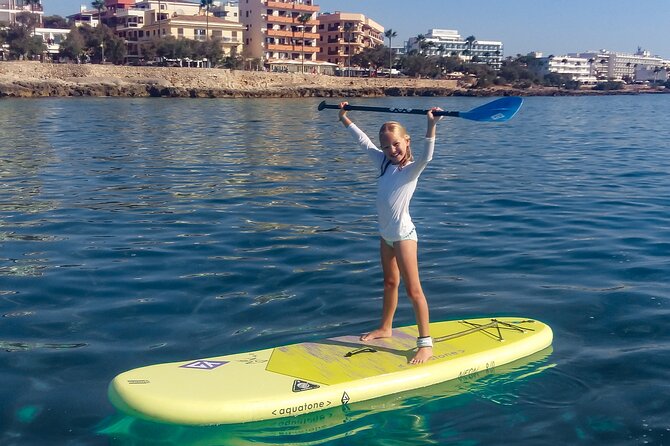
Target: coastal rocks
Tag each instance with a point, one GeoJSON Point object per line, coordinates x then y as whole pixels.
{"type": "Point", "coordinates": [28, 89]}
{"type": "Point", "coordinates": [34, 79]}
{"type": "Point", "coordinates": [33, 89]}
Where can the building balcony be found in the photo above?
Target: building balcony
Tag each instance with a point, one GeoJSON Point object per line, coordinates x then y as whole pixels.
{"type": "Point", "coordinates": [127, 26]}
{"type": "Point", "coordinates": [291, 34]}
{"type": "Point", "coordinates": [132, 12]}
{"type": "Point", "coordinates": [280, 19]}
{"type": "Point", "coordinates": [37, 8]}
{"type": "Point", "coordinates": [284, 20]}
{"type": "Point", "coordinates": [279, 33]}
{"type": "Point", "coordinates": [307, 35]}
{"type": "Point", "coordinates": [293, 6]}
{"type": "Point", "coordinates": [292, 48]}
{"type": "Point", "coordinates": [278, 47]}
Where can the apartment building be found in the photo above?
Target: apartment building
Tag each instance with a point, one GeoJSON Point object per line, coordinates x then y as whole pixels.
{"type": "Point", "coordinates": [111, 6]}
{"type": "Point", "coordinates": [622, 66]}
{"type": "Point", "coordinates": [598, 63]}
{"type": "Point", "coordinates": [448, 42]}
{"type": "Point", "coordinates": [197, 27]}
{"type": "Point", "coordinates": [578, 68]}
{"type": "Point", "coordinates": [10, 8]}
{"type": "Point", "coordinates": [651, 74]}
{"type": "Point", "coordinates": [344, 34]}
{"type": "Point", "coordinates": [147, 19]}
{"type": "Point", "coordinates": [275, 33]}
{"type": "Point", "coordinates": [89, 17]}
{"type": "Point", "coordinates": [227, 10]}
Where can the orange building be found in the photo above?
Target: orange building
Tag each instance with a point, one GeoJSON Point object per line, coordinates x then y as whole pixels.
{"type": "Point", "coordinates": [115, 5]}
{"type": "Point", "coordinates": [343, 34]}
{"type": "Point", "coordinates": [281, 33]}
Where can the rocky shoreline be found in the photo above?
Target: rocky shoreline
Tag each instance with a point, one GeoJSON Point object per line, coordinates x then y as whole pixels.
{"type": "Point", "coordinates": [34, 79]}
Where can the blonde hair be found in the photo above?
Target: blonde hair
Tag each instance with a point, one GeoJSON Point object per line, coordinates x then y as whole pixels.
{"type": "Point", "coordinates": [397, 130]}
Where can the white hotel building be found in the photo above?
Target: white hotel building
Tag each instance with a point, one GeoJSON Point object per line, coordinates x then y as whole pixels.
{"type": "Point", "coordinates": [578, 68]}
{"type": "Point", "coordinates": [622, 66]}
{"type": "Point", "coordinates": [448, 42]}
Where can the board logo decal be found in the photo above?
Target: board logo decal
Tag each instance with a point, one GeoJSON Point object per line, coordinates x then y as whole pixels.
{"type": "Point", "coordinates": [303, 408]}
{"type": "Point", "coordinates": [203, 365]}
{"type": "Point", "coordinates": [345, 398]}
{"type": "Point", "coordinates": [301, 386]}
{"type": "Point", "coordinates": [138, 381]}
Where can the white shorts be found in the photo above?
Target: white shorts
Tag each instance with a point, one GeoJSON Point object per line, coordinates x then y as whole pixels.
{"type": "Point", "coordinates": [411, 236]}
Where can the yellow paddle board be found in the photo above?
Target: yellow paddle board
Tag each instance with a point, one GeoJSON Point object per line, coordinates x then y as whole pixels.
{"type": "Point", "coordinates": [311, 376]}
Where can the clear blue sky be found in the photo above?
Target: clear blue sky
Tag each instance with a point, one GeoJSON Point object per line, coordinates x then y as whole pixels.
{"type": "Point", "coordinates": [553, 27]}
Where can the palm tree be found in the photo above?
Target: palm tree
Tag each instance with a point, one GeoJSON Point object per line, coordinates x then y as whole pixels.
{"type": "Point", "coordinates": [32, 4]}
{"type": "Point", "coordinates": [207, 4]}
{"type": "Point", "coordinates": [303, 19]}
{"type": "Point", "coordinates": [36, 18]}
{"type": "Point", "coordinates": [347, 30]}
{"type": "Point", "coordinates": [99, 5]}
{"type": "Point", "coordinates": [470, 40]}
{"type": "Point", "coordinates": [158, 17]}
{"type": "Point", "coordinates": [656, 71]}
{"type": "Point", "coordinates": [390, 34]}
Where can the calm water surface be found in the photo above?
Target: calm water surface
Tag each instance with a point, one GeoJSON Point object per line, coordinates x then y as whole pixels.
{"type": "Point", "coordinates": [137, 231]}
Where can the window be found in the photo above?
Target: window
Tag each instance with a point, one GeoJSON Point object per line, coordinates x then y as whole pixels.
{"type": "Point", "coordinates": [180, 32]}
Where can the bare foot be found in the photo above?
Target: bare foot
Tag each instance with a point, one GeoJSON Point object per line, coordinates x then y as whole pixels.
{"type": "Point", "coordinates": [422, 355]}
{"type": "Point", "coordinates": [377, 334]}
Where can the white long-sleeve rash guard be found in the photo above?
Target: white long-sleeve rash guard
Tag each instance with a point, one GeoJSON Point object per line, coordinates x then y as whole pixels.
{"type": "Point", "coordinates": [396, 187]}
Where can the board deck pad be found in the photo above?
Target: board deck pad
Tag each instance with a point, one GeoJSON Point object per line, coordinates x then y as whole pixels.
{"type": "Point", "coordinates": [311, 376]}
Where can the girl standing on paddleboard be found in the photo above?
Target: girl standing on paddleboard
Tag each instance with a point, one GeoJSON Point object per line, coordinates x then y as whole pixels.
{"type": "Point", "coordinates": [399, 174]}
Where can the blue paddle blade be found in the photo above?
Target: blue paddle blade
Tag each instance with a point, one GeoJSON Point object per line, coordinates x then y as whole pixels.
{"type": "Point", "coordinates": [499, 110]}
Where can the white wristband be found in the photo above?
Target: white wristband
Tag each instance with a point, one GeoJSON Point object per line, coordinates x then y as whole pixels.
{"type": "Point", "coordinates": [424, 341]}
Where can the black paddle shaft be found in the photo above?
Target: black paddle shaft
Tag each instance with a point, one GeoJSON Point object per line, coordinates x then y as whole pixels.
{"type": "Point", "coordinates": [410, 111]}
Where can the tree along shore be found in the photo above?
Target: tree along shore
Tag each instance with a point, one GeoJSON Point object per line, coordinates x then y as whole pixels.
{"type": "Point", "coordinates": [34, 79]}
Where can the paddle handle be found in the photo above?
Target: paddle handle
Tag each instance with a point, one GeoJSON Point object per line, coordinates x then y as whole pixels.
{"type": "Point", "coordinates": [411, 111]}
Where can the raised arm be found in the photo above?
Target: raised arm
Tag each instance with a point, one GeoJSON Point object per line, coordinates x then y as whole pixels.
{"type": "Point", "coordinates": [432, 122]}
{"type": "Point", "coordinates": [343, 115]}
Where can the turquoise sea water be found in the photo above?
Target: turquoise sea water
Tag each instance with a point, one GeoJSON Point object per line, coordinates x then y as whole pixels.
{"type": "Point", "coordinates": [138, 231]}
